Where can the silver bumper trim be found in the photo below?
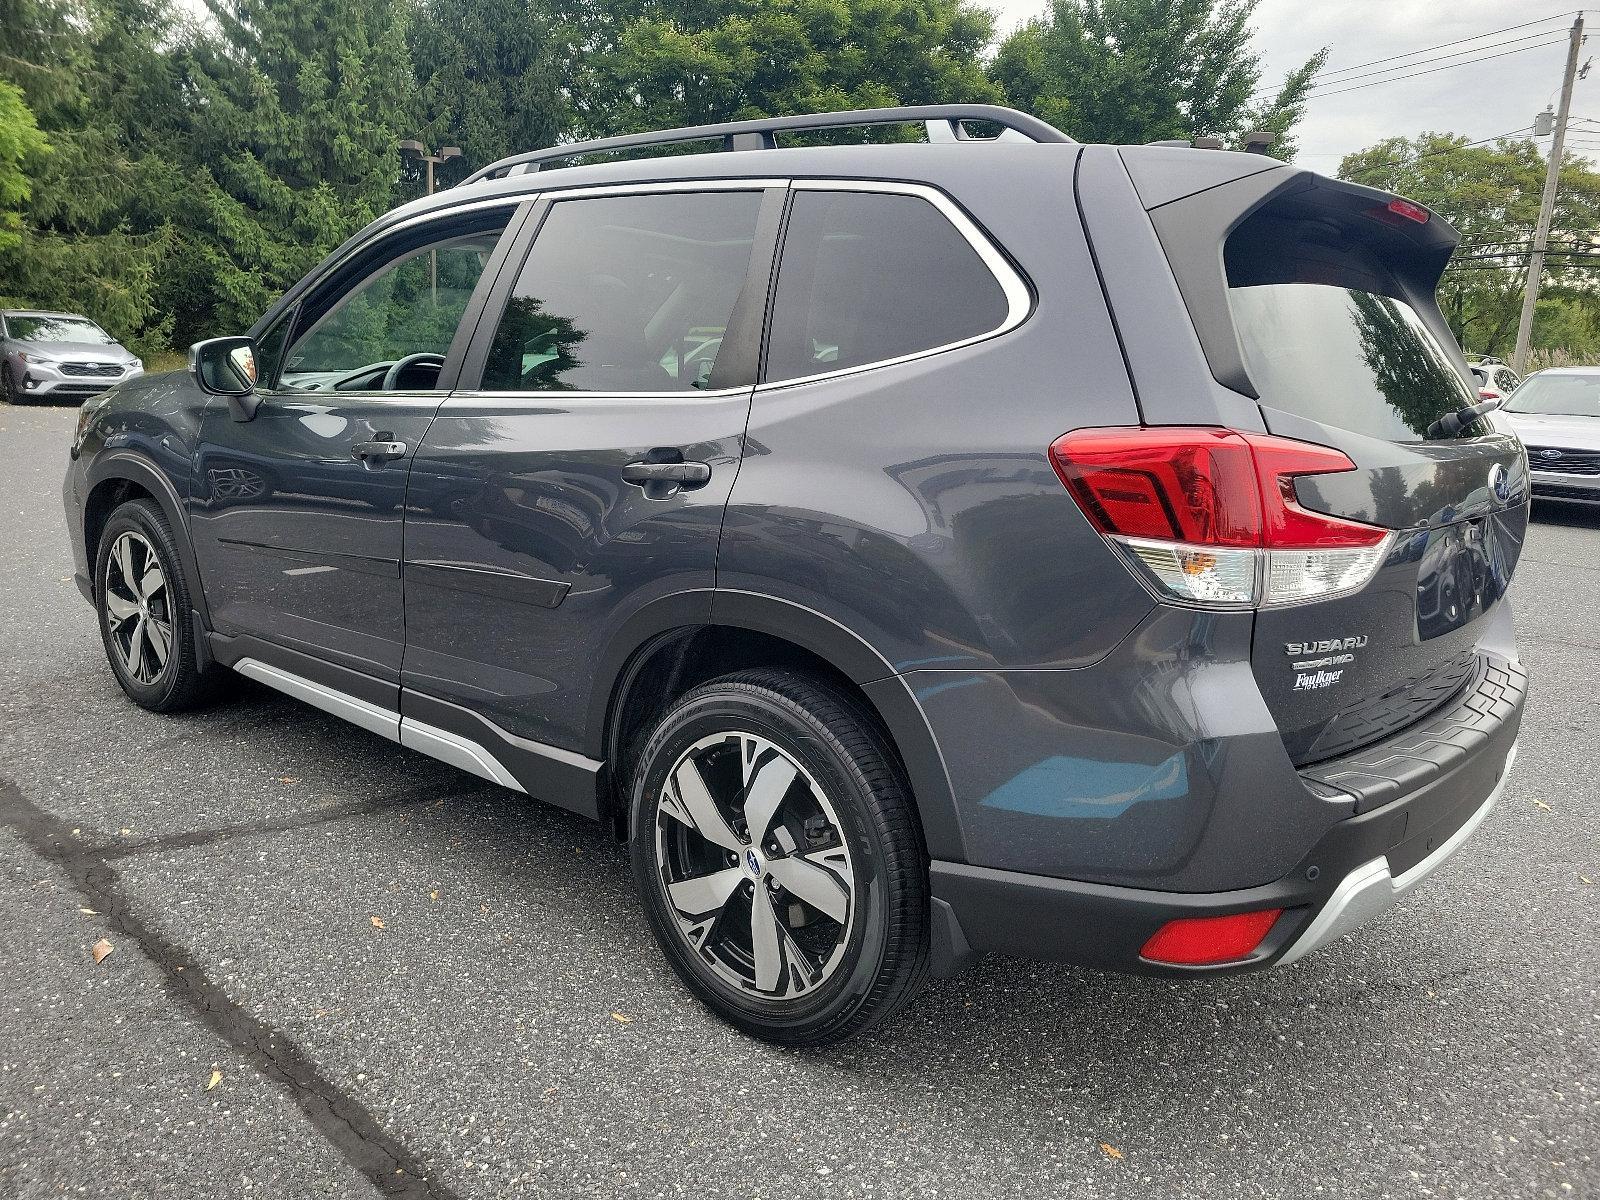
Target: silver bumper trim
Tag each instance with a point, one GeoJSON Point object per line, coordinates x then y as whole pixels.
{"type": "Point", "coordinates": [1370, 889]}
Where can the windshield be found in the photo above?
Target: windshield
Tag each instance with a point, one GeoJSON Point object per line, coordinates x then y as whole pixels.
{"type": "Point", "coordinates": [57, 329]}
{"type": "Point", "coordinates": [1558, 396]}
{"type": "Point", "coordinates": [1354, 359]}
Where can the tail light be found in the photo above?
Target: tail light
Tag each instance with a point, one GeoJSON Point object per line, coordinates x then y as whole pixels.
{"type": "Point", "coordinates": [1209, 517]}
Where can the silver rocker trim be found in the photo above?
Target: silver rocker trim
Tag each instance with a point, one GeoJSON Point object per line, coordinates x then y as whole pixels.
{"type": "Point", "coordinates": [1370, 889]}
{"type": "Point", "coordinates": [452, 748]}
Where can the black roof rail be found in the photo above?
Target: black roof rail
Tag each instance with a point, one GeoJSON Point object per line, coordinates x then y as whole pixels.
{"type": "Point", "coordinates": [946, 123]}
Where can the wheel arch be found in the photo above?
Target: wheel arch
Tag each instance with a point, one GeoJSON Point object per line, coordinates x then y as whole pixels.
{"type": "Point", "coordinates": [123, 475]}
{"type": "Point", "coordinates": [685, 640]}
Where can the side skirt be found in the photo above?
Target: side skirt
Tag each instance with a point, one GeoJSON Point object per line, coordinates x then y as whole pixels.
{"type": "Point", "coordinates": [460, 737]}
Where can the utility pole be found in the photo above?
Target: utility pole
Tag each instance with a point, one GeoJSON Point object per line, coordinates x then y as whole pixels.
{"type": "Point", "coordinates": [412, 146]}
{"type": "Point", "coordinates": [1541, 233]}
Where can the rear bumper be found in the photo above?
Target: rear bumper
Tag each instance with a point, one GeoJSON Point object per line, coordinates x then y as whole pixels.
{"type": "Point", "coordinates": [1419, 797]}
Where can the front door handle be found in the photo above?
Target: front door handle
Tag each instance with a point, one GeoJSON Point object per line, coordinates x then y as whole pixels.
{"type": "Point", "coordinates": [378, 452]}
{"type": "Point", "coordinates": [664, 474]}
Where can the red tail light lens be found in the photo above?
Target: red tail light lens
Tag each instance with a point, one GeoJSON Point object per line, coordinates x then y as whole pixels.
{"type": "Point", "coordinates": [1201, 941]}
{"type": "Point", "coordinates": [1187, 485]}
{"type": "Point", "coordinates": [1211, 515]}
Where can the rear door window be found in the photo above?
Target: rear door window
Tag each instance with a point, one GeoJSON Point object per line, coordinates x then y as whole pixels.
{"type": "Point", "coordinates": [625, 294]}
{"type": "Point", "coordinates": [1346, 357]}
{"type": "Point", "coordinates": [868, 277]}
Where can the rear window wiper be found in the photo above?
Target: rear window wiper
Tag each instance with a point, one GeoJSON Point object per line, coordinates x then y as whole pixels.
{"type": "Point", "coordinates": [1452, 423]}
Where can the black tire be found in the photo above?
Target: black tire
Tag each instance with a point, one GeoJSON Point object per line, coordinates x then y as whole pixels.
{"type": "Point", "coordinates": [178, 682]}
{"type": "Point", "coordinates": [879, 956]}
{"type": "Point", "coordinates": [9, 383]}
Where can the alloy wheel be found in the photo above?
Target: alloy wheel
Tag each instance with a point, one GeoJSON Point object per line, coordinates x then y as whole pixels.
{"type": "Point", "coordinates": [755, 867]}
{"type": "Point", "coordinates": [138, 608]}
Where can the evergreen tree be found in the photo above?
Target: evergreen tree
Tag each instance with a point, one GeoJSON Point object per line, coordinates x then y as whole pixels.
{"type": "Point", "coordinates": [660, 63]}
{"type": "Point", "coordinates": [20, 140]}
{"type": "Point", "coordinates": [294, 111]}
{"type": "Point", "coordinates": [488, 77]}
{"type": "Point", "coordinates": [93, 234]}
{"type": "Point", "coordinates": [1132, 71]}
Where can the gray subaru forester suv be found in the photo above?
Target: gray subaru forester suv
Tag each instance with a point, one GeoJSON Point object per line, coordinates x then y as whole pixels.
{"type": "Point", "coordinates": [913, 551]}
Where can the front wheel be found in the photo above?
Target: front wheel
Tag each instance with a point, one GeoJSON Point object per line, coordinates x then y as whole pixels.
{"type": "Point", "coordinates": [143, 602]}
{"type": "Point", "coordinates": [8, 382]}
{"type": "Point", "coordinates": [779, 858]}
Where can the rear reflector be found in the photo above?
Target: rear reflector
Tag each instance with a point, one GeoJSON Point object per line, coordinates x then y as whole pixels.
{"type": "Point", "coordinates": [1199, 941]}
{"type": "Point", "coordinates": [1210, 517]}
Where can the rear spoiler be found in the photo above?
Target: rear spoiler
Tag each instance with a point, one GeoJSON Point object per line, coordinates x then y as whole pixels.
{"type": "Point", "coordinates": [1198, 199]}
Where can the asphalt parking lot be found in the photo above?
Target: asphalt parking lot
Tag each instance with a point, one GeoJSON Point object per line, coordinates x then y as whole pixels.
{"type": "Point", "coordinates": [342, 969]}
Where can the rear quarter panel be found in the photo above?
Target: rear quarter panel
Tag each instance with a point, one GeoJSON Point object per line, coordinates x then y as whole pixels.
{"type": "Point", "coordinates": [915, 503]}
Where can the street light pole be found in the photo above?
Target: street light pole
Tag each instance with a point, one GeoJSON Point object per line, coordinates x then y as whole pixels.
{"type": "Point", "coordinates": [412, 146]}
{"type": "Point", "coordinates": [1547, 208]}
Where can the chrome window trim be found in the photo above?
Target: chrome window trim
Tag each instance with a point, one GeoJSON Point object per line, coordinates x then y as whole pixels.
{"type": "Point", "coordinates": [482, 399]}
{"type": "Point", "coordinates": [1019, 297]}
{"type": "Point", "coordinates": [721, 184]}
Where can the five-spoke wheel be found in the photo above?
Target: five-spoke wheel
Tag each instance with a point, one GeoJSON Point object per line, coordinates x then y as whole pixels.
{"type": "Point", "coordinates": [779, 858]}
{"type": "Point", "coordinates": [143, 598]}
{"type": "Point", "coordinates": [139, 608]}
{"type": "Point", "coordinates": [754, 864]}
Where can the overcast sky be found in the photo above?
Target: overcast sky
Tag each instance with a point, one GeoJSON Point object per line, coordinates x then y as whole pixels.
{"type": "Point", "coordinates": [1480, 100]}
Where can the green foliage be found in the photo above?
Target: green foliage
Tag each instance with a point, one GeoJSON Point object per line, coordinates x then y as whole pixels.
{"type": "Point", "coordinates": [1131, 71]}
{"type": "Point", "coordinates": [691, 63]}
{"type": "Point", "coordinates": [20, 140]}
{"type": "Point", "coordinates": [1491, 194]}
{"type": "Point", "coordinates": [94, 231]}
{"type": "Point", "coordinates": [292, 122]}
{"type": "Point", "coordinates": [488, 77]}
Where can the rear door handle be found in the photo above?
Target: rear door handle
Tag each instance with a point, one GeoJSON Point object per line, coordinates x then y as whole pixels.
{"type": "Point", "coordinates": [377, 452]}
{"type": "Point", "coordinates": [662, 479]}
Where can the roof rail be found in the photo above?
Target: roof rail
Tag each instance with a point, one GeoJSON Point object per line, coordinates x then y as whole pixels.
{"type": "Point", "coordinates": [946, 123]}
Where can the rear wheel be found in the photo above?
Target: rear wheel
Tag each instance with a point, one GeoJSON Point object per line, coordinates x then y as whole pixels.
{"type": "Point", "coordinates": [143, 602]}
{"type": "Point", "coordinates": [779, 859]}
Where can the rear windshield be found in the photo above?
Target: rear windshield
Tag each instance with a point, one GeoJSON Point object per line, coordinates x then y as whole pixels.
{"type": "Point", "coordinates": [1558, 396]}
{"type": "Point", "coordinates": [1345, 357]}
{"type": "Point", "coordinates": [56, 329]}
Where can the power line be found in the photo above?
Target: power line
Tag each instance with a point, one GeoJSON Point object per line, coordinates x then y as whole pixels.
{"type": "Point", "coordinates": [1477, 37]}
{"type": "Point", "coordinates": [1429, 49]}
{"type": "Point", "coordinates": [1433, 70]}
{"type": "Point", "coordinates": [1425, 61]}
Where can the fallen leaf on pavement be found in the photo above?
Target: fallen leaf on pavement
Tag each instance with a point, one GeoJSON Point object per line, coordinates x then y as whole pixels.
{"type": "Point", "coordinates": [1542, 804]}
{"type": "Point", "coordinates": [1111, 1151]}
{"type": "Point", "coordinates": [216, 1078]}
{"type": "Point", "coordinates": [1585, 879]}
{"type": "Point", "coordinates": [288, 779]}
{"type": "Point", "coordinates": [100, 949]}
{"type": "Point", "coordinates": [618, 1017]}
{"type": "Point", "coordinates": [483, 908]}
{"type": "Point", "coordinates": [88, 912]}
{"type": "Point", "coordinates": [433, 895]}
{"type": "Point", "coordinates": [377, 922]}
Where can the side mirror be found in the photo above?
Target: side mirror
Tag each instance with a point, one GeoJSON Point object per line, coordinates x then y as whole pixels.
{"type": "Point", "coordinates": [226, 366]}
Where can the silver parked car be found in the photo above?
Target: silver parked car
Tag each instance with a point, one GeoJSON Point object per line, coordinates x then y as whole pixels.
{"type": "Point", "coordinates": [61, 355]}
{"type": "Point", "coordinates": [1556, 413]}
